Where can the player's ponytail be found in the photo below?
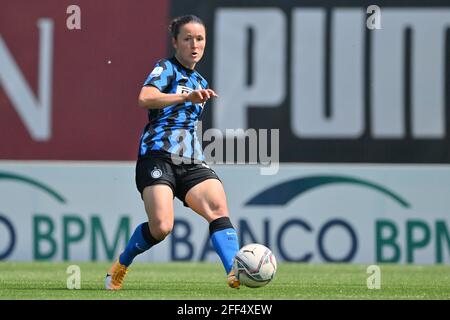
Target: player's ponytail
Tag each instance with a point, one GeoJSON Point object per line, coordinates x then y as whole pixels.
{"type": "Point", "coordinates": [176, 24]}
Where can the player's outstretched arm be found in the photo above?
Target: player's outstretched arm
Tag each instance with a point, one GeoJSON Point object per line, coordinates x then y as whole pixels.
{"type": "Point", "coordinates": [152, 98]}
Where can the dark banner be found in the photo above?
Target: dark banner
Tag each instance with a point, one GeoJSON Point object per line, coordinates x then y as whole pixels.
{"type": "Point", "coordinates": [344, 81]}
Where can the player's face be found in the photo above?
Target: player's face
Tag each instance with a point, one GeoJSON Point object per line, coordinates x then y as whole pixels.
{"type": "Point", "coordinates": [190, 44]}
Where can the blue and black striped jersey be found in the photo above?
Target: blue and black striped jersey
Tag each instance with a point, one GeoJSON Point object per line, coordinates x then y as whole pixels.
{"type": "Point", "coordinates": [172, 129]}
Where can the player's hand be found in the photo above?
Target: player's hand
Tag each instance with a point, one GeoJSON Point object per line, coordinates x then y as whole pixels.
{"type": "Point", "coordinates": [201, 96]}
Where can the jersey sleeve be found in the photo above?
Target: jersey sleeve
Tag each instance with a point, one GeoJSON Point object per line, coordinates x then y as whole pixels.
{"type": "Point", "coordinates": [161, 75]}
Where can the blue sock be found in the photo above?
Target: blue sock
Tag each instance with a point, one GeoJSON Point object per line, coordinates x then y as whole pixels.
{"type": "Point", "coordinates": [140, 241]}
{"type": "Point", "coordinates": [225, 241]}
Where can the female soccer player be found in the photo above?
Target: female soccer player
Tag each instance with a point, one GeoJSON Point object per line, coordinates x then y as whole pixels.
{"type": "Point", "coordinates": [170, 161]}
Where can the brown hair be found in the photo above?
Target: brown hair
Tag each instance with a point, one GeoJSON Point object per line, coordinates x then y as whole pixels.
{"type": "Point", "coordinates": [178, 22]}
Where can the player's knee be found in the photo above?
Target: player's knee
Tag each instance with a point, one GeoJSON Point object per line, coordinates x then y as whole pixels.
{"type": "Point", "coordinates": [161, 229]}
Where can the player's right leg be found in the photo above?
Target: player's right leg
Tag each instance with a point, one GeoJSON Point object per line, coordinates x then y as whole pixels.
{"type": "Point", "coordinates": [158, 201]}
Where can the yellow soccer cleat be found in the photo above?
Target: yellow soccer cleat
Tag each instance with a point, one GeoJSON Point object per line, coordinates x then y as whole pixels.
{"type": "Point", "coordinates": [115, 276]}
{"type": "Point", "coordinates": [232, 281]}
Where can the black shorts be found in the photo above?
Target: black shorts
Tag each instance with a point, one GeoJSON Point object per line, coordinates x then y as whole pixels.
{"type": "Point", "coordinates": [180, 177]}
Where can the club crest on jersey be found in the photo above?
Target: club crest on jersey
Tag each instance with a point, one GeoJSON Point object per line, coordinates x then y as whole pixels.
{"type": "Point", "coordinates": [156, 173]}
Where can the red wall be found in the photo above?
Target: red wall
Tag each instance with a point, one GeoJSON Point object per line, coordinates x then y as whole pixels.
{"type": "Point", "coordinates": [94, 110]}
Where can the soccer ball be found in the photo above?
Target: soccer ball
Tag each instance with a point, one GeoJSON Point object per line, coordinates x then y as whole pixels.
{"type": "Point", "coordinates": [255, 265]}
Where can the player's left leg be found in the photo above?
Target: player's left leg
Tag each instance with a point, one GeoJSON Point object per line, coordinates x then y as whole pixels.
{"type": "Point", "coordinates": [208, 199]}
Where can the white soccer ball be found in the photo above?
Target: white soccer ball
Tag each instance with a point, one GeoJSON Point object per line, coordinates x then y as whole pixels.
{"type": "Point", "coordinates": [255, 265]}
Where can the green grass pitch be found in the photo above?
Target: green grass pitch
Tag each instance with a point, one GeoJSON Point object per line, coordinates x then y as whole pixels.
{"type": "Point", "coordinates": [197, 281]}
